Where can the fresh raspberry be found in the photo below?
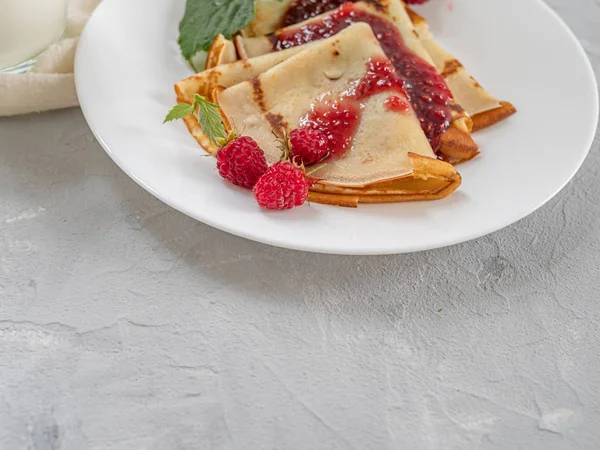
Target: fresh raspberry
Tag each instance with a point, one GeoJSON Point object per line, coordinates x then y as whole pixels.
{"type": "Point", "coordinates": [308, 144]}
{"type": "Point", "coordinates": [415, 2]}
{"type": "Point", "coordinates": [283, 186]}
{"type": "Point", "coordinates": [242, 162]}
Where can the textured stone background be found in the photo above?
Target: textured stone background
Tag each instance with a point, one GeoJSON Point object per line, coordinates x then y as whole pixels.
{"type": "Point", "coordinates": [126, 325]}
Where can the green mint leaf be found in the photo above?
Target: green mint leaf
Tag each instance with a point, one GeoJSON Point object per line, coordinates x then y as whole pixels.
{"type": "Point", "coordinates": [209, 119]}
{"type": "Point", "coordinates": [203, 20]}
{"type": "Point", "coordinates": [179, 111]}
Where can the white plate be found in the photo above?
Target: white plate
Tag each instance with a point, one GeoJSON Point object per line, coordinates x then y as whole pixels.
{"type": "Point", "coordinates": [128, 61]}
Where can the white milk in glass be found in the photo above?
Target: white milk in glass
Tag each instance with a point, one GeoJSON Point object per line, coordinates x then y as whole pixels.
{"type": "Point", "coordinates": [28, 27]}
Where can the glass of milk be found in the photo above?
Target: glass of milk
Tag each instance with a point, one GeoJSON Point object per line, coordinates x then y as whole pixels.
{"type": "Point", "coordinates": [27, 28]}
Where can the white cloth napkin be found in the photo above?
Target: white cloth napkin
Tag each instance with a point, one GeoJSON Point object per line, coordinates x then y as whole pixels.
{"type": "Point", "coordinates": [50, 83]}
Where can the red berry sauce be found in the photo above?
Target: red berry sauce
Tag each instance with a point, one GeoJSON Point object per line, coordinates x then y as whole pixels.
{"type": "Point", "coordinates": [397, 104]}
{"type": "Point", "coordinates": [426, 89]}
{"type": "Point", "coordinates": [338, 119]}
{"type": "Point", "coordinates": [301, 10]}
{"type": "Point", "coordinates": [380, 77]}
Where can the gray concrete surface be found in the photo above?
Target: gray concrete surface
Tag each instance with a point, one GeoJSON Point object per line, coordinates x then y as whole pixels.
{"type": "Point", "coordinates": [126, 325]}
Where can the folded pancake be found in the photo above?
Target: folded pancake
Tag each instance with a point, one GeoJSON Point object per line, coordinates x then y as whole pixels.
{"type": "Point", "coordinates": [429, 180]}
{"type": "Point", "coordinates": [346, 87]}
{"type": "Point", "coordinates": [445, 123]}
{"type": "Point", "coordinates": [222, 51]}
{"type": "Point", "coordinates": [206, 83]}
{"type": "Point", "coordinates": [484, 109]}
{"type": "Point", "coordinates": [268, 16]}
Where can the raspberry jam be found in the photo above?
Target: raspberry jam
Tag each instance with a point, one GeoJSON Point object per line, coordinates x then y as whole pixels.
{"type": "Point", "coordinates": [301, 10]}
{"type": "Point", "coordinates": [339, 118]}
{"type": "Point", "coordinates": [380, 77]}
{"type": "Point", "coordinates": [426, 89]}
{"type": "Point", "coordinates": [395, 103]}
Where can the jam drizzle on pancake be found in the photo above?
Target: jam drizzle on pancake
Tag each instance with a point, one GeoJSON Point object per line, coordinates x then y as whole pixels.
{"type": "Point", "coordinates": [339, 118]}
{"type": "Point", "coordinates": [301, 10]}
{"type": "Point", "coordinates": [425, 88]}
